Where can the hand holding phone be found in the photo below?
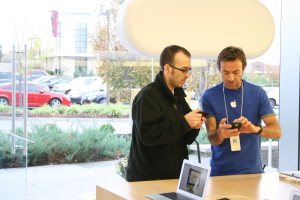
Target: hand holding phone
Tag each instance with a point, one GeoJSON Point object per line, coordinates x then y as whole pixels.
{"type": "Point", "coordinates": [237, 125]}
{"type": "Point", "coordinates": [204, 114]}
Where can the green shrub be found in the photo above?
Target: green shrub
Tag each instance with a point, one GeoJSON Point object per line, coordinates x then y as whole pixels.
{"type": "Point", "coordinates": [202, 136]}
{"type": "Point", "coordinates": [116, 110]}
{"type": "Point", "coordinates": [92, 108]}
{"type": "Point", "coordinates": [19, 111]}
{"type": "Point", "coordinates": [74, 109]}
{"type": "Point", "coordinates": [50, 72]}
{"type": "Point", "coordinates": [44, 110]}
{"type": "Point", "coordinates": [76, 72]}
{"type": "Point", "coordinates": [121, 167]}
{"type": "Point", "coordinates": [54, 146]}
{"type": "Point", "coordinates": [111, 110]}
{"type": "Point", "coordinates": [84, 72]}
{"type": "Point", "coordinates": [91, 73]}
{"type": "Point", "coordinates": [61, 109]}
{"type": "Point", "coordinates": [7, 159]}
{"type": "Point", "coordinates": [5, 108]}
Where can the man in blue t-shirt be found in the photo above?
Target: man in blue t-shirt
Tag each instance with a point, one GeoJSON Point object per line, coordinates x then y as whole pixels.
{"type": "Point", "coordinates": [237, 151]}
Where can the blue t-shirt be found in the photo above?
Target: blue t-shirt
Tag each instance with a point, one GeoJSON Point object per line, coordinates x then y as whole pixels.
{"type": "Point", "coordinates": [255, 107]}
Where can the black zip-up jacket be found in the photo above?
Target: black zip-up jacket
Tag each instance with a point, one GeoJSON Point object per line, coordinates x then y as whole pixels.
{"type": "Point", "coordinates": [160, 133]}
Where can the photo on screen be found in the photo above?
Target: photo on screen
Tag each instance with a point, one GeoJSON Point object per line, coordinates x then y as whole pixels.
{"type": "Point", "coordinates": [193, 180]}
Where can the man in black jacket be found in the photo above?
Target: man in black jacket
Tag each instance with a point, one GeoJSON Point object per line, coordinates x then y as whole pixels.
{"type": "Point", "coordinates": [163, 122]}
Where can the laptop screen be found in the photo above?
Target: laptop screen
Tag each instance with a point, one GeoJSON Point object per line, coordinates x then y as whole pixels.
{"type": "Point", "coordinates": [192, 182]}
{"type": "Point", "coordinates": [295, 195]}
{"type": "Point", "coordinates": [193, 179]}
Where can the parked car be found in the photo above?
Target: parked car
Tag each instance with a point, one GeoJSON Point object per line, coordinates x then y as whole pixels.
{"type": "Point", "coordinates": [4, 81]}
{"type": "Point", "coordinates": [77, 84]}
{"type": "Point", "coordinates": [99, 97]}
{"type": "Point", "coordinates": [45, 87]}
{"type": "Point", "coordinates": [31, 78]}
{"type": "Point", "coordinates": [273, 94]}
{"type": "Point", "coordinates": [76, 94]}
{"type": "Point", "coordinates": [59, 81]}
{"type": "Point", "coordinates": [37, 72]}
{"type": "Point", "coordinates": [9, 75]}
{"type": "Point", "coordinates": [37, 96]}
{"type": "Point", "coordinates": [43, 79]}
{"type": "Point", "coordinates": [49, 81]}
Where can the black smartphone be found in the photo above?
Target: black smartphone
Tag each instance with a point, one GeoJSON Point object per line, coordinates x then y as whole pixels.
{"type": "Point", "coordinates": [237, 125]}
{"type": "Point", "coordinates": [204, 114]}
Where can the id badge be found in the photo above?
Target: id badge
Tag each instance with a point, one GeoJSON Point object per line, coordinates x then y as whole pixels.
{"type": "Point", "coordinates": [235, 143]}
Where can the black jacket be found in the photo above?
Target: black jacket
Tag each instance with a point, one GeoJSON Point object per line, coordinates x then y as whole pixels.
{"type": "Point", "coordinates": [160, 133]}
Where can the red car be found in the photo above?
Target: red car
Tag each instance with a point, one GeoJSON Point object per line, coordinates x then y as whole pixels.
{"type": "Point", "coordinates": [37, 96]}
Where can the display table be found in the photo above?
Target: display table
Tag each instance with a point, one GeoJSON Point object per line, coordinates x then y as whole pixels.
{"type": "Point", "coordinates": [237, 187]}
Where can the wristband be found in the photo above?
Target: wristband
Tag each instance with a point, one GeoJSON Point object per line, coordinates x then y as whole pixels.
{"type": "Point", "coordinates": [260, 130]}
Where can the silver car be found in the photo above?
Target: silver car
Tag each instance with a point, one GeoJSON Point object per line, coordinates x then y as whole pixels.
{"type": "Point", "coordinates": [79, 83]}
{"type": "Point", "coordinates": [273, 94]}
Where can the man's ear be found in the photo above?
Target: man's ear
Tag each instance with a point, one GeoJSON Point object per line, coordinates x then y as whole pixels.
{"type": "Point", "coordinates": [166, 68]}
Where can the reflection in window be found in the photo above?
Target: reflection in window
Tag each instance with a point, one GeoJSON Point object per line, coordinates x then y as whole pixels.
{"type": "Point", "coordinates": [80, 38]}
{"type": "Point", "coordinates": [81, 66]}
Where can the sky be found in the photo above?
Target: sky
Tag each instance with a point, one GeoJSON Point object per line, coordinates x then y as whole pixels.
{"type": "Point", "coordinates": [20, 19]}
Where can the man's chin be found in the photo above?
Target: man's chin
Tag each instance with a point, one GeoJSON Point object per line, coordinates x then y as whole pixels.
{"type": "Point", "coordinates": [231, 87]}
{"type": "Point", "coordinates": [180, 86]}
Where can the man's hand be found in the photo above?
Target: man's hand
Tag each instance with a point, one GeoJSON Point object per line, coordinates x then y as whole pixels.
{"type": "Point", "coordinates": [224, 131]}
{"type": "Point", "coordinates": [247, 126]}
{"type": "Point", "coordinates": [194, 119]}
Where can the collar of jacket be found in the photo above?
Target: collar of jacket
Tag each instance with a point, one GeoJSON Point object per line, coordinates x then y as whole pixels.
{"type": "Point", "coordinates": [178, 92]}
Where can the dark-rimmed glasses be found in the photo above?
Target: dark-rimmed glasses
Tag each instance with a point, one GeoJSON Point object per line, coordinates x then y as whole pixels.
{"type": "Point", "coordinates": [182, 70]}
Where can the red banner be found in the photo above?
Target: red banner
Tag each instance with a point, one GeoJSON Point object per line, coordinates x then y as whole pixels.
{"type": "Point", "coordinates": [54, 20]}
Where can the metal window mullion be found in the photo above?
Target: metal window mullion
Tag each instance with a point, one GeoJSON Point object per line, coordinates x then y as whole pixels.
{"type": "Point", "coordinates": [25, 102]}
{"type": "Point", "coordinates": [13, 103]}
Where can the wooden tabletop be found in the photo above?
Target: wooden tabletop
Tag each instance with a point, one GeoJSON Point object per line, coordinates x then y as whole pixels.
{"type": "Point", "coordinates": [237, 187]}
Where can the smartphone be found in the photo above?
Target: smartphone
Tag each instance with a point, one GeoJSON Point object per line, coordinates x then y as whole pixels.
{"type": "Point", "coordinates": [237, 125]}
{"type": "Point", "coordinates": [204, 114]}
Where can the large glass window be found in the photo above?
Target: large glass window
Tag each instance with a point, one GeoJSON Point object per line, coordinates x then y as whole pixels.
{"type": "Point", "coordinates": [80, 38]}
{"type": "Point", "coordinates": [85, 142]}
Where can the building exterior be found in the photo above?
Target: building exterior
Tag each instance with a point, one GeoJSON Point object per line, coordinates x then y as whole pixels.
{"type": "Point", "coordinates": [73, 50]}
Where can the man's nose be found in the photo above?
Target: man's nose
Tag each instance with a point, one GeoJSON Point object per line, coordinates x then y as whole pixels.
{"type": "Point", "coordinates": [188, 75]}
{"type": "Point", "coordinates": [230, 77]}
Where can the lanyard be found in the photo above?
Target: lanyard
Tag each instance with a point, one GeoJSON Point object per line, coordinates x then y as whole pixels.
{"type": "Point", "coordinates": [226, 103]}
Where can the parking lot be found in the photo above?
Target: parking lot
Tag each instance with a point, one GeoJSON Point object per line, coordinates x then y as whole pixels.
{"type": "Point", "coordinates": [52, 90]}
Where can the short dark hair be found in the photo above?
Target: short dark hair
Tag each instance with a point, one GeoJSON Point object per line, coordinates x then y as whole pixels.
{"type": "Point", "coordinates": [168, 54]}
{"type": "Point", "coordinates": [232, 53]}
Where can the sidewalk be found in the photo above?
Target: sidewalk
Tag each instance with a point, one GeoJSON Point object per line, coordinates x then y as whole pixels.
{"type": "Point", "coordinates": [57, 182]}
{"type": "Point", "coordinates": [60, 182]}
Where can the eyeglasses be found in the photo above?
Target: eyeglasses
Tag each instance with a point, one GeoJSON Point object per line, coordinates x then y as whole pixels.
{"type": "Point", "coordinates": [183, 70]}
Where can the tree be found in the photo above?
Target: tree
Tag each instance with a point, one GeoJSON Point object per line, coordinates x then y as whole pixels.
{"type": "Point", "coordinates": [203, 77]}
{"type": "Point", "coordinates": [91, 73]}
{"type": "Point", "coordinates": [76, 72]}
{"type": "Point", "coordinates": [119, 69]}
{"type": "Point", "coordinates": [272, 73]}
{"type": "Point", "coordinates": [262, 74]}
{"type": "Point", "coordinates": [122, 71]}
{"type": "Point", "coordinates": [84, 72]}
